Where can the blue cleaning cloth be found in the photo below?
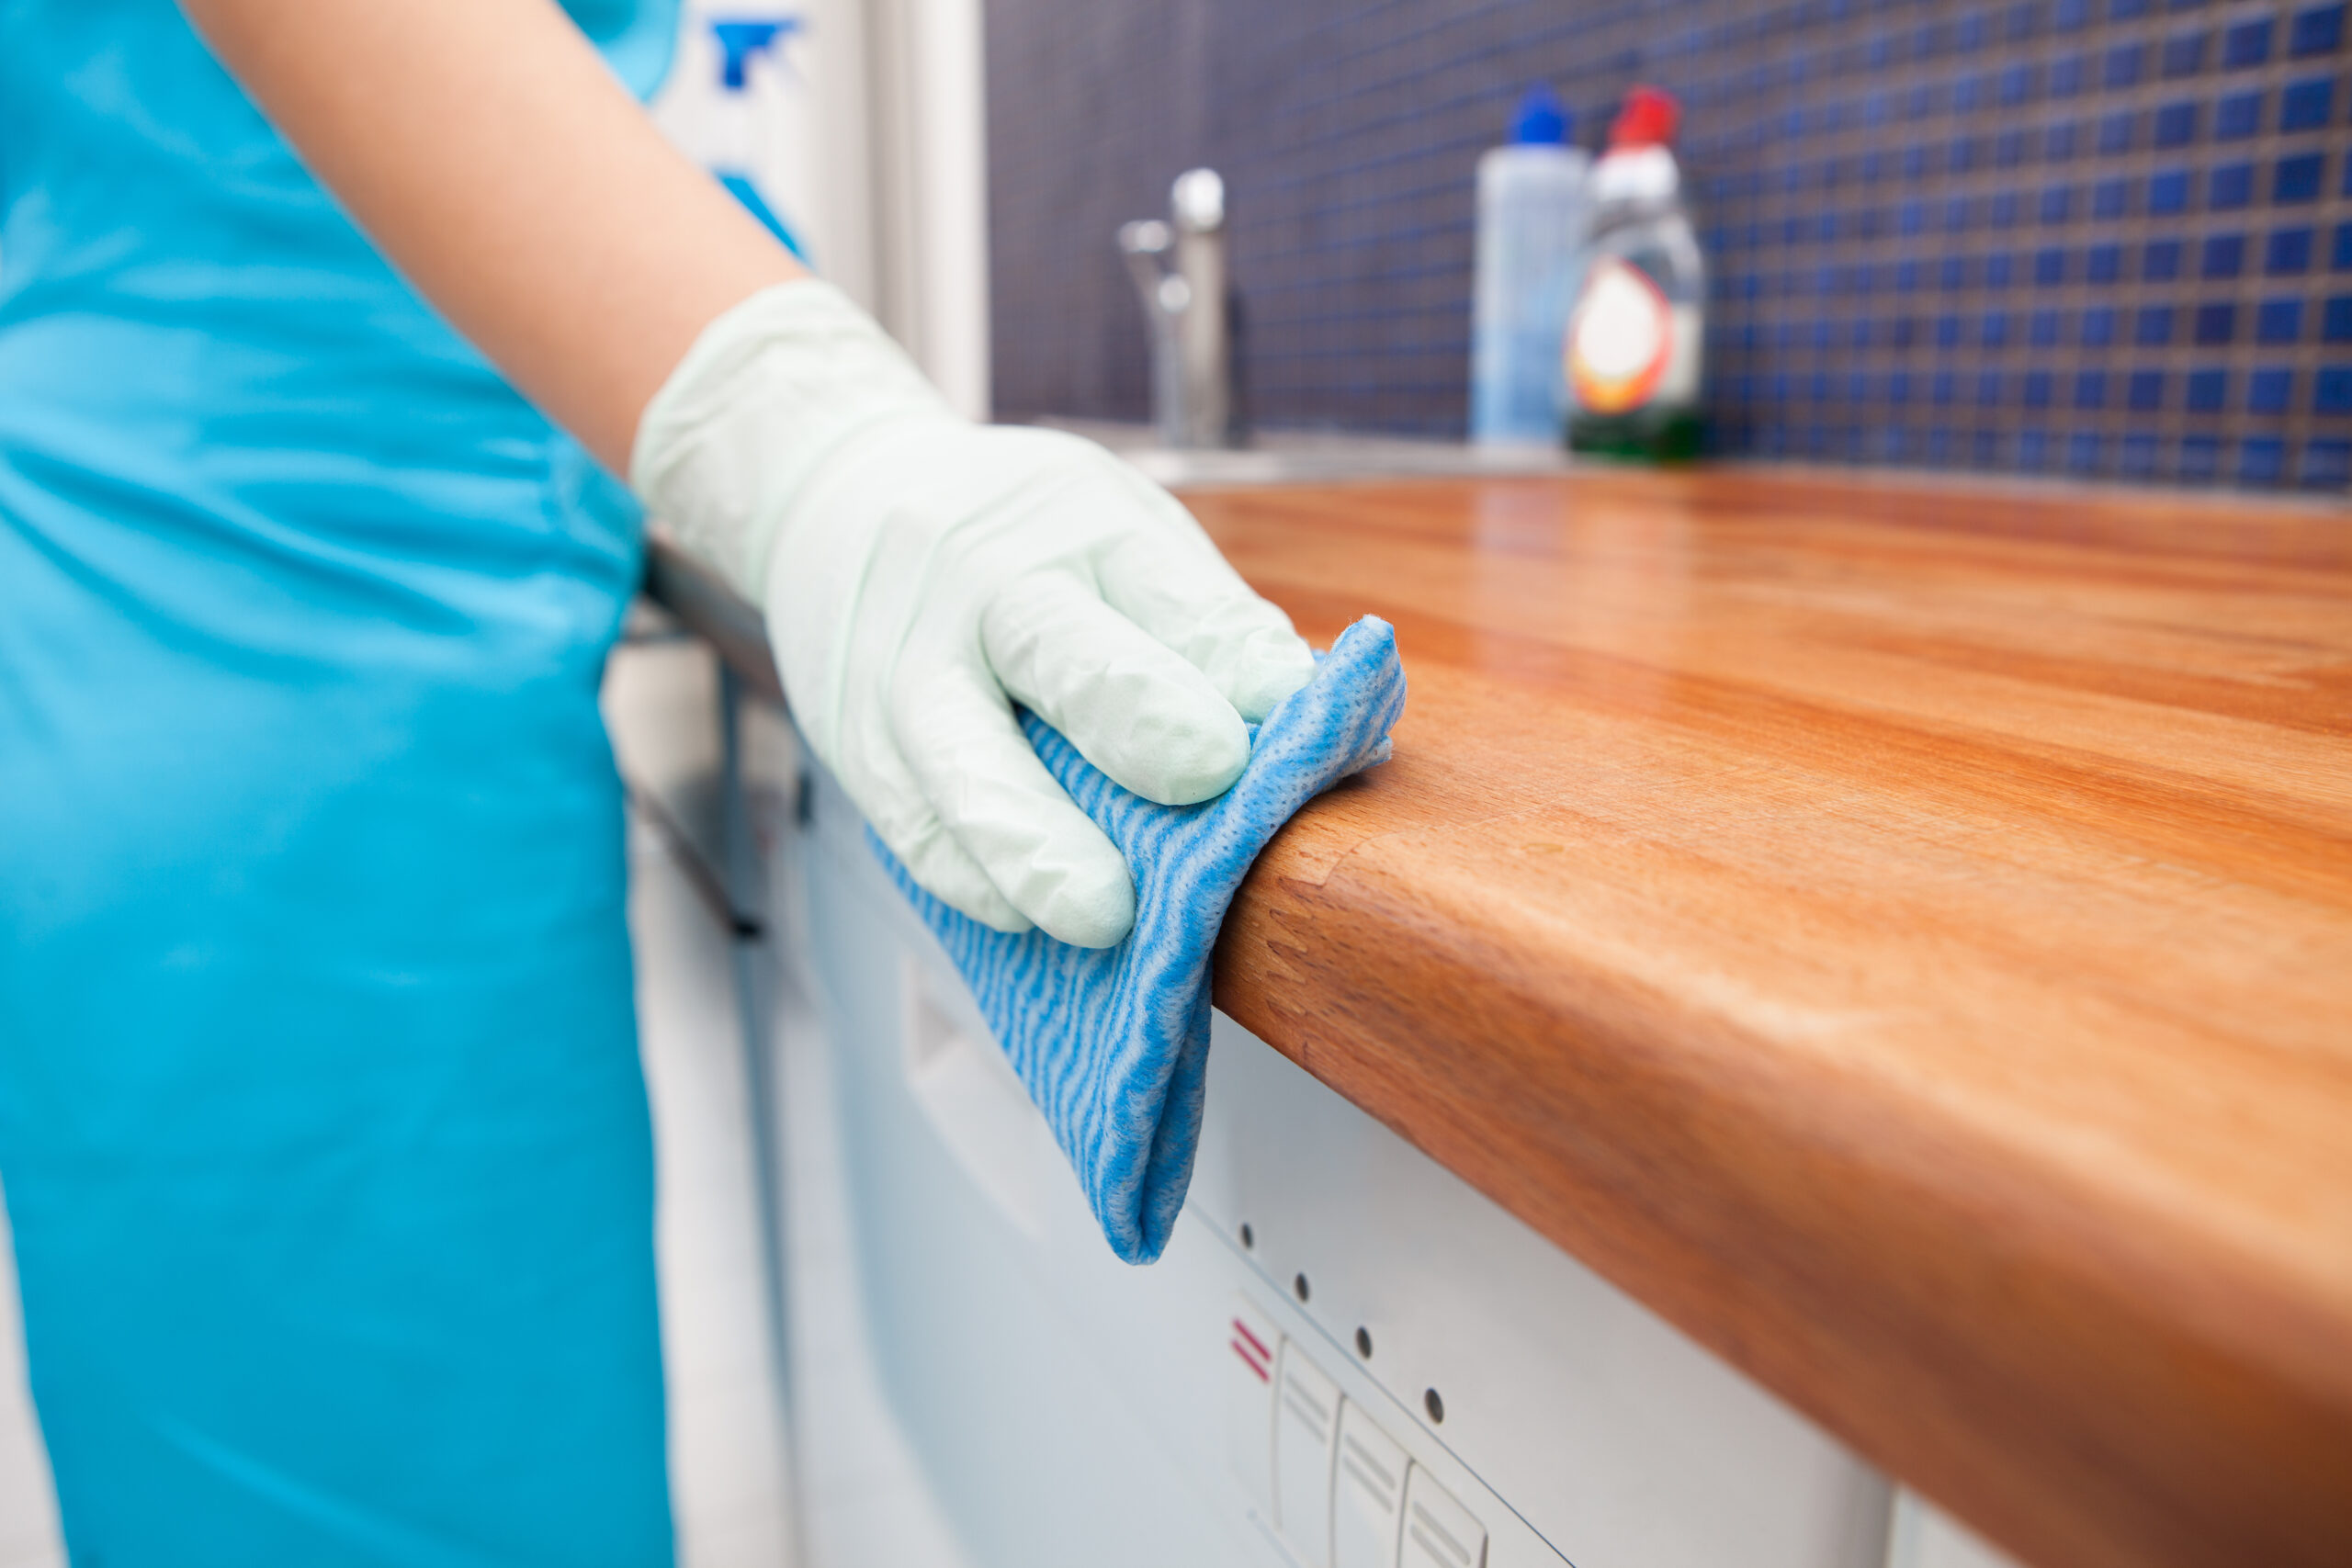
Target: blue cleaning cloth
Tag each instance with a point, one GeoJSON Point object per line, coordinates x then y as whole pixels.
{"type": "Point", "coordinates": [1114, 1042]}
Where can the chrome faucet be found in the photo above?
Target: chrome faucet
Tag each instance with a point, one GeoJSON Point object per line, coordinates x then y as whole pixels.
{"type": "Point", "coordinates": [1192, 348]}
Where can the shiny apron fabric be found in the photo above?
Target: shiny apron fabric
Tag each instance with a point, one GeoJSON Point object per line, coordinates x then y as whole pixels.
{"type": "Point", "coordinates": [321, 1123]}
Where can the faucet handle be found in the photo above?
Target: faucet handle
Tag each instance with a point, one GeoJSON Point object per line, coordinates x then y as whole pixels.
{"type": "Point", "coordinates": [1197, 200]}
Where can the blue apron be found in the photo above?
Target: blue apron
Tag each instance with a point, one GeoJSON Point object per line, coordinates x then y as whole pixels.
{"type": "Point", "coordinates": [321, 1126]}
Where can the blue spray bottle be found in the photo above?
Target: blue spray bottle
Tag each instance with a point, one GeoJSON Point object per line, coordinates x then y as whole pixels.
{"type": "Point", "coordinates": [731, 128]}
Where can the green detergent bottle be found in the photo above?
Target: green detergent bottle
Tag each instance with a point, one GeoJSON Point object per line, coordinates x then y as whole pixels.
{"type": "Point", "coordinates": [1636, 336]}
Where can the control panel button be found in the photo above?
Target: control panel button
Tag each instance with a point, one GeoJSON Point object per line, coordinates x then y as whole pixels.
{"type": "Point", "coordinates": [1367, 1494]}
{"type": "Point", "coordinates": [1439, 1531]}
{"type": "Point", "coordinates": [1307, 1430]}
{"type": "Point", "coordinates": [1252, 1347]}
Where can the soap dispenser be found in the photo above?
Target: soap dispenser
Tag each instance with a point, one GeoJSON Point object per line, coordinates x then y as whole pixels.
{"type": "Point", "coordinates": [1530, 222]}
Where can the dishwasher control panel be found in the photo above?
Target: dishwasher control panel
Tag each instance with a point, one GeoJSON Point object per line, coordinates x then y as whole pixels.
{"type": "Point", "coordinates": [1327, 1473]}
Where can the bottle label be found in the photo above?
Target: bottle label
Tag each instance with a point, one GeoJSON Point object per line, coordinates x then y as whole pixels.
{"type": "Point", "coordinates": [1622, 340]}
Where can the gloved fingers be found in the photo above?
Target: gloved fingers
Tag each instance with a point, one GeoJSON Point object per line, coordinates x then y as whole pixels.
{"type": "Point", "coordinates": [946, 870]}
{"type": "Point", "coordinates": [1133, 707]}
{"type": "Point", "coordinates": [1174, 585]}
{"type": "Point", "coordinates": [992, 793]}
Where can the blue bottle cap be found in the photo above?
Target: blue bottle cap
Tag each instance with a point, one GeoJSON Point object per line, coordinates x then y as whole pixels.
{"type": "Point", "coordinates": [741, 39]}
{"type": "Point", "coordinates": [1541, 119]}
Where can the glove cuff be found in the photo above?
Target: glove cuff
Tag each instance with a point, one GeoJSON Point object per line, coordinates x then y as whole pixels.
{"type": "Point", "coordinates": [768, 390]}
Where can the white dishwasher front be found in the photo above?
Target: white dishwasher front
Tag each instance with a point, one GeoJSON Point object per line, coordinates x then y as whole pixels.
{"type": "Point", "coordinates": [1346, 1359]}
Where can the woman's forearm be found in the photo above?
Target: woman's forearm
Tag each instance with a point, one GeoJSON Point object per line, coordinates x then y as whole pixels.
{"type": "Point", "coordinates": [489, 152]}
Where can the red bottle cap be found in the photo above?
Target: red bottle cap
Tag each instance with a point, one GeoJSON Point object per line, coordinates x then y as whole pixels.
{"type": "Point", "coordinates": [1647, 118]}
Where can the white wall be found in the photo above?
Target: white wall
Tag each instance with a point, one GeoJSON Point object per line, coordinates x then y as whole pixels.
{"type": "Point", "coordinates": [930, 179]}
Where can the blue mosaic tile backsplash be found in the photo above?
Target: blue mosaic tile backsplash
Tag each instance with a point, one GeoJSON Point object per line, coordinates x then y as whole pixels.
{"type": "Point", "coordinates": [2101, 238]}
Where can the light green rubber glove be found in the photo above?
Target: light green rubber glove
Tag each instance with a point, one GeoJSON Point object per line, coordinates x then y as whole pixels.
{"type": "Point", "coordinates": [921, 573]}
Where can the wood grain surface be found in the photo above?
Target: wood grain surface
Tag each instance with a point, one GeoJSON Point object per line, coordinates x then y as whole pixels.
{"type": "Point", "coordinates": [1903, 935]}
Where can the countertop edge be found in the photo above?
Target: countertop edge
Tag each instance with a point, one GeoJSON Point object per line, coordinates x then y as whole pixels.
{"type": "Point", "coordinates": [1873, 1286]}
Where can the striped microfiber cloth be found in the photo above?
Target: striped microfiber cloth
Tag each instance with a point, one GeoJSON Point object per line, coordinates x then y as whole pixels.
{"type": "Point", "coordinates": [1114, 1042]}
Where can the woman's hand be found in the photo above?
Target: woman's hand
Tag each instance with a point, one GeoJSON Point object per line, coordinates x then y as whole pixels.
{"type": "Point", "coordinates": [921, 574]}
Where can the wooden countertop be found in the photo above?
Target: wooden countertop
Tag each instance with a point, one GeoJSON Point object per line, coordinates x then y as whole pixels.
{"type": "Point", "coordinates": [1903, 936]}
